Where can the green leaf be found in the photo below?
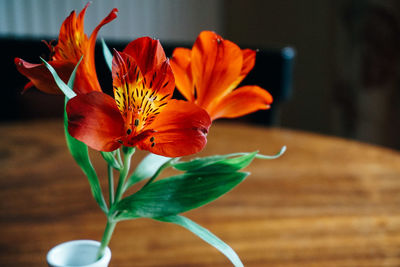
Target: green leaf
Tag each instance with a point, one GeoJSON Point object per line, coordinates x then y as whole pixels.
{"type": "Point", "coordinates": [206, 235]}
{"type": "Point", "coordinates": [80, 153]}
{"type": "Point", "coordinates": [107, 54]}
{"type": "Point", "coordinates": [199, 163]}
{"type": "Point", "coordinates": [111, 160]}
{"type": "Point", "coordinates": [147, 168]}
{"type": "Point", "coordinates": [226, 165]}
{"type": "Point", "coordinates": [219, 163]}
{"type": "Point", "coordinates": [277, 155]}
{"type": "Point", "coordinates": [63, 87]}
{"type": "Point", "coordinates": [177, 194]}
{"type": "Point", "coordinates": [71, 79]}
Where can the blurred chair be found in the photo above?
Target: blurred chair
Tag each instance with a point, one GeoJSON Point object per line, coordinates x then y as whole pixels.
{"type": "Point", "coordinates": [273, 71]}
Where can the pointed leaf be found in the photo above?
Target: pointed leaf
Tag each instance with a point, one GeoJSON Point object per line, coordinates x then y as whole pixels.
{"type": "Point", "coordinates": [111, 160]}
{"type": "Point", "coordinates": [277, 155]}
{"type": "Point", "coordinates": [107, 54]}
{"type": "Point", "coordinates": [71, 79]}
{"type": "Point", "coordinates": [217, 163]}
{"type": "Point", "coordinates": [147, 168]}
{"type": "Point", "coordinates": [206, 235]}
{"type": "Point", "coordinates": [227, 165]}
{"type": "Point", "coordinates": [80, 153]}
{"type": "Point", "coordinates": [199, 163]}
{"type": "Point", "coordinates": [177, 194]}
{"type": "Point", "coordinates": [63, 87]}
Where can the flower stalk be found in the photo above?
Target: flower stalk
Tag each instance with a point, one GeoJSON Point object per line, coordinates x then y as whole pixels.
{"type": "Point", "coordinates": [111, 223]}
{"type": "Point", "coordinates": [108, 231]}
{"type": "Point", "coordinates": [110, 171]}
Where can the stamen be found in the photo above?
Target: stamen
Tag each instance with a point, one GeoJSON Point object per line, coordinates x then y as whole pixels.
{"type": "Point", "coordinates": [129, 131]}
{"type": "Point", "coordinates": [153, 144]}
{"type": "Point", "coordinates": [136, 122]}
{"type": "Point", "coordinates": [152, 139]}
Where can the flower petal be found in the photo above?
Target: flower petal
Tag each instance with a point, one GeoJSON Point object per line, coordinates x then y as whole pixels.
{"type": "Point", "coordinates": [161, 81]}
{"type": "Point", "coordinates": [180, 63]}
{"type": "Point", "coordinates": [72, 39]}
{"type": "Point", "coordinates": [180, 130]}
{"type": "Point", "coordinates": [86, 80]}
{"type": "Point", "coordinates": [73, 44]}
{"type": "Point", "coordinates": [41, 77]}
{"type": "Point", "coordinates": [242, 101]}
{"type": "Point", "coordinates": [140, 98]}
{"type": "Point", "coordinates": [95, 120]}
{"type": "Point", "coordinates": [216, 64]}
{"type": "Point", "coordinates": [249, 60]}
{"type": "Point", "coordinates": [147, 53]}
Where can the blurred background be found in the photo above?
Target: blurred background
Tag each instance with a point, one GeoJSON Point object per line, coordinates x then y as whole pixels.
{"type": "Point", "coordinates": [332, 65]}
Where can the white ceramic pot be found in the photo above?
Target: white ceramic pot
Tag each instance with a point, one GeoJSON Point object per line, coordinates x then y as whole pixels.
{"type": "Point", "coordinates": [76, 253]}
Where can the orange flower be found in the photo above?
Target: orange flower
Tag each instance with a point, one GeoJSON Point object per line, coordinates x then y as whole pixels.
{"type": "Point", "coordinates": [142, 113]}
{"type": "Point", "coordinates": [72, 45]}
{"type": "Point", "coordinates": [209, 73]}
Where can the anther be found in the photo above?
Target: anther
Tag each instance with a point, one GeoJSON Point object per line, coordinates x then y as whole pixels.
{"type": "Point", "coordinates": [129, 131]}
{"type": "Point", "coordinates": [152, 139]}
{"type": "Point", "coordinates": [136, 122]}
{"type": "Point", "coordinates": [153, 144]}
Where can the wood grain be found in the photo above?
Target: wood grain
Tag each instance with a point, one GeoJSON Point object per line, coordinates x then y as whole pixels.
{"type": "Point", "coordinates": [326, 202]}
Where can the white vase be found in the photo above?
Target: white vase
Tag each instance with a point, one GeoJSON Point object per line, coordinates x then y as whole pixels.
{"type": "Point", "coordinates": [82, 253]}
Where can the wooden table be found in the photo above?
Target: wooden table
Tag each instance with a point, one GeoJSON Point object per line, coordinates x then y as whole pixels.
{"type": "Point", "coordinates": [326, 202]}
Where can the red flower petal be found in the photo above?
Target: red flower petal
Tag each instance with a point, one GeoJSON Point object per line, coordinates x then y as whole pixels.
{"type": "Point", "coordinates": [216, 64]}
{"type": "Point", "coordinates": [161, 80]}
{"type": "Point", "coordinates": [180, 130]}
{"type": "Point", "coordinates": [41, 77]}
{"type": "Point", "coordinates": [95, 120]}
{"type": "Point", "coordinates": [147, 53]}
{"type": "Point", "coordinates": [72, 40]}
{"type": "Point", "coordinates": [140, 99]}
{"type": "Point", "coordinates": [86, 78]}
{"type": "Point", "coordinates": [249, 60]}
{"type": "Point", "coordinates": [180, 63]}
{"type": "Point", "coordinates": [73, 43]}
{"type": "Point", "coordinates": [242, 101]}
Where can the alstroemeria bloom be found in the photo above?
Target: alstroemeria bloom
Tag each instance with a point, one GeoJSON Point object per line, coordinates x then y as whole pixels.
{"type": "Point", "coordinates": [141, 114]}
{"type": "Point", "coordinates": [208, 74]}
{"type": "Point", "coordinates": [72, 44]}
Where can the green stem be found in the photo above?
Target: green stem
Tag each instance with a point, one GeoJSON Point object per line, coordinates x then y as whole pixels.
{"type": "Point", "coordinates": [123, 175]}
{"type": "Point", "coordinates": [118, 152]}
{"type": "Point", "coordinates": [106, 237]}
{"type": "Point", "coordinates": [111, 184]}
{"type": "Point", "coordinates": [128, 152]}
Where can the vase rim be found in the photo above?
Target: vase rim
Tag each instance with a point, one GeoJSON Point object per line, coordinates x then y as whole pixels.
{"type": "Point", "coordinates": [52, 255]}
